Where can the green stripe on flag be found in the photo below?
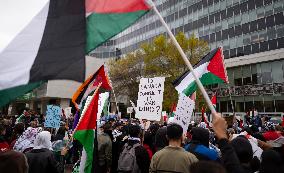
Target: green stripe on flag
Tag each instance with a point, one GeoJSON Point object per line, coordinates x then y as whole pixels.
{"type": "Point", "coordinates": [86, 138]}
{"type": "Point", "coordinates": [10, 94]}
{"type": "Point", "coordinates": [206, 79]}
{"type": "Point", "coordinates": [101, 27]}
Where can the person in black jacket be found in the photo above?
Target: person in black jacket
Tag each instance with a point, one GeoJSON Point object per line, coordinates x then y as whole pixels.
{"type": "Point", "coordinates": [142, 157]}
{"type": "Point", "coordinates": [229, 157]}
{"type": "Point", "coordinates": [41, 158]}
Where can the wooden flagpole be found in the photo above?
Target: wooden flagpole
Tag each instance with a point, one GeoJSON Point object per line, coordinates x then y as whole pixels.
{"type": "Point", "coordinates": [183, 55]}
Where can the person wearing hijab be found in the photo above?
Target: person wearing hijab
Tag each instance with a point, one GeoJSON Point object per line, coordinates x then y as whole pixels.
{"type": "Point", "coordinates": [41, 158]}
{"type": "Point", "coordinates": [26, 141]}
{"type": "Point", "coordinates": [199, 145]}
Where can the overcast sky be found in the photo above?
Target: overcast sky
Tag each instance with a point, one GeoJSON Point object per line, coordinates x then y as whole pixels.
{"type": "Point", "coordinates": [15, 15]}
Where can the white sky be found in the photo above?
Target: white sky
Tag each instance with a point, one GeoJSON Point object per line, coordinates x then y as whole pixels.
{"type": "Point", "coordinates": [15, 15]}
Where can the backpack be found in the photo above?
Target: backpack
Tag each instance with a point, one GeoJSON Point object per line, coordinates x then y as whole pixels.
{"type": "Point", "coordinates": [127, 159]}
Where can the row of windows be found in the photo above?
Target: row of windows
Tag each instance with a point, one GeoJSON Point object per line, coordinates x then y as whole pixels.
{"type": "Point", "coordinates": [253, 26]}
{"type": "Point", "coordinates": [224, 14]}
{"type": "Point", "coordinates": [247, 104]}
{"type": "Point", "coordinates": [255, 48]}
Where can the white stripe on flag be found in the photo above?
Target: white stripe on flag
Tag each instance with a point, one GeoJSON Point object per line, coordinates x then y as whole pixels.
{"type": "Point", "coordinates": [83, 161]}
{"type": "Point", "coordinates": [199, 71]}
{"type": "Point", "coordinates": [21, 31]}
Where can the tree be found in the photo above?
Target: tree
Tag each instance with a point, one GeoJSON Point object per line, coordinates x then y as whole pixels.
{"type": "Point", "coordinates": [159, 58]}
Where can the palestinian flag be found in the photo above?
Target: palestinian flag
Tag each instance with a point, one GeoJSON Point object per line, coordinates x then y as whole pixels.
{"type": "Point", "coordinates": [42, 40]}
{"type": "Point", "coordinates": [85, 132]}
{"type": "Point", "coordinates": [214, 100]}
{"type": "Point", "coordinates": [173, 110]}
{"type": "Point", "coordinates": [210, 70]}
{"type": "Point", "coordinates": [52, 37]}
{"type": "Point", "coordinates": [106, 18]}
{"type": "Point", "coordinates": [90, 86]}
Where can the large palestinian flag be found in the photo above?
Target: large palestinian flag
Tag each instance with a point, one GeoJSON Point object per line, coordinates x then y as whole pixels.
{"type": "Point", "coordinates": [48, 39]}
{"type": "Point", "coordinates": [84, 132]}
{"type": "Point", "coordinates": [210, 70]}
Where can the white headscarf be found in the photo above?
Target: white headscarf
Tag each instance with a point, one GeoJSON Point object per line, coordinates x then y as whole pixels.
{"type": "Point", "coordinates": [43, 140]}
{"type": "Point", "coordinates": [26, 140]}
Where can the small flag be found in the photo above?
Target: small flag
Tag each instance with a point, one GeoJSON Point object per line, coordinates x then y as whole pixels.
{"type": "Point", "coordinates": [210, 70]}
{"type": "Point", "coordinates": [214, 100]}
{"type": "Point", "coordinates": [90, 86]}
{"type": "Point", "coordinates": [84, 132]}
{"type": "Point", "coordinates": [173, 110]}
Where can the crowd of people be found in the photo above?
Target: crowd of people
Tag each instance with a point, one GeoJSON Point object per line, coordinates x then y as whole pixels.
{"type": "Point", "coordinates": [26, 146]}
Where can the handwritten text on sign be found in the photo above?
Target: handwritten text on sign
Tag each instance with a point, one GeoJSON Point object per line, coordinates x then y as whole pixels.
{"type": "Point", "coordinates": [53, 116]}
{"type": "Point", "coordinates": [184, 111]}
{"type": "Point", "coordinates": [150, 98]}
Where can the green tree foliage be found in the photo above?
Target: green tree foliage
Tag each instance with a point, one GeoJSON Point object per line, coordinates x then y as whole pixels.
{"type": "Point", "coordinates": [159, 58]}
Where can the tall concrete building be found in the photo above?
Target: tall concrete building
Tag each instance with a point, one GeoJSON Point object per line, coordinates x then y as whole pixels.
{"type": "Point", "coordinates": [250, 31]}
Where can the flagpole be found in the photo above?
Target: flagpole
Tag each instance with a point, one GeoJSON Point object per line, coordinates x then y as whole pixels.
{"type": "Point", "coordinates": [230, 94]}
{"type": "Point", "coordinates": [183, 55]}
{"type": "Point", "coordinates": [112, 90]}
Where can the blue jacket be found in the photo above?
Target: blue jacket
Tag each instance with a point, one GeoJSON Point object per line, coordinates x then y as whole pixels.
{"type": "Point", "coordinates": [202, 152]}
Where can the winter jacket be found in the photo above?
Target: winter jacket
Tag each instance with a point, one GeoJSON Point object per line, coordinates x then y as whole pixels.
{"type": "Point", "coordinates": [172, 159]}
{"type": "Point", "coordinates": [105, 150]}
{"type": "Point", "coordinates": [271, 135]}
{"type": "Point", "coordinates": [13, 162]}
{"type": "Point", "coordinates": [149, 151]}
{"type": "Point", "coordinates": [43, 161]}
{"type": "Point", "coordinates": [229, 157]}
{"type": "Point", "coordinates": [142, 157]}
{"type": "Point", "coordinates": [202, 152]}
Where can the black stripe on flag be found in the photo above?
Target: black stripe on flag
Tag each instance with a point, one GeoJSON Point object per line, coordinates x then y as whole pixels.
{"type": "Point", "coordinates": [61, 53]}
{"type": "Point", "coordinates": [205, 59]}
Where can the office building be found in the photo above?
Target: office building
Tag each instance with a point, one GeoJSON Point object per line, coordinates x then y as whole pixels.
{"type": "Point", "coordinates": [250, 31]}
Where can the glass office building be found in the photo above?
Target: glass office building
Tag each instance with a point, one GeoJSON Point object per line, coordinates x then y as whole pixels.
{"type": "Point", "coordinates": [246, 29]}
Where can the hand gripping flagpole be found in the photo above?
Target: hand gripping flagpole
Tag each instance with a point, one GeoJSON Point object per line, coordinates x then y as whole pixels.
{"type": "Point", "coordinates": [183, 55]}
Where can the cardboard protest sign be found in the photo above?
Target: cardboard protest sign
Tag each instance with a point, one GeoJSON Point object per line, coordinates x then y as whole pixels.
{"type": "Point", "coordinates": [129, 110]}
{"type": "Point", "coordinates": [53, 116]}
{"type": "Point", "coordinates": [184, 111]}
{"type": "Point", "coordinates": [150, 98]}
{"type": "Point", "coordinates": [67, 111]}
{"type": "Point", "coordinates": [102, 100]}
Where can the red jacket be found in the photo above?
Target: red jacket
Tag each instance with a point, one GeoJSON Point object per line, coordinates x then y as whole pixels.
{"type": "Point", "coordinates": [271, 135]}
{"type": "Point", "coordinates": [149, 151]}
{"type": "Point", "coordinates": [4, 146]}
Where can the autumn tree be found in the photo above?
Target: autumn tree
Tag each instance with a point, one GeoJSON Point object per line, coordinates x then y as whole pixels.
{"type": "Point", "coordinates": [159, 58]}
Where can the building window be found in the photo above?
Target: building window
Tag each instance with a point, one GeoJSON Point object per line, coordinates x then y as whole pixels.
{"type": "Point", "coordinates": [266, 73]}
{"type": "Point", "coordinates": [246, 39]}
{"type": "Point", "coordinates": [277, 72]}
{"type": "Point", "coordinates": [279, 105]}
{"type": "Point", "coordinates": [271, 33]}
{"type": "Point", "coordinates": [272, 44]}
{"type": "Point", "coordinates": [280, 31]}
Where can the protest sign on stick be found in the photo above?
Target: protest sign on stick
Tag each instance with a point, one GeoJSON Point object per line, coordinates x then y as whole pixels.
{"type": "Point", "coordinates": [150, 98]}
{"type": "Point", "coordinates": [68, 111]}
{"type": "Point", "coordinates": [184, 111]}
{"type": "Point", "coordinates": [102, 100]}
{"type": "Point", "coordinates": [53, 116]}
